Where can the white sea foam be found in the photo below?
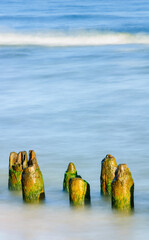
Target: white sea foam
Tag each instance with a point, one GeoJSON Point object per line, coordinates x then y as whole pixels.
{"type": "Point", "coordinates": [68, 40]}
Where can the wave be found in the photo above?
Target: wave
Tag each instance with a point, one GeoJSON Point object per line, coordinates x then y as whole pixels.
{"type": "Point", "coordinates": [70, 40]}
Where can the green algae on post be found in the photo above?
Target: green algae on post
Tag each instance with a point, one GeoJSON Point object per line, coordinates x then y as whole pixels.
{"type": "Point", "coordinates": [108, 167]}
{"type": "Point", "coordinates": [17, 162]}
{"type": "Point", "coordinates": [70, 173]}
{"type": "Point", "coordinates": [123, 189]}
{"type": "Point", "coordinates": [32, 181]}
{"type": "Point", "coordinates": [79, 192]}
{"type": "Point", "coordinates": [15, 173]}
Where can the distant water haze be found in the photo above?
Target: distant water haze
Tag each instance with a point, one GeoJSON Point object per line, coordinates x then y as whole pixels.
{"type": "Point", "coordinates": [74, 87]}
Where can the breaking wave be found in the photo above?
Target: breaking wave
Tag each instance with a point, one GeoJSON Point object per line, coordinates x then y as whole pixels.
{"type": "Point", "coordinates": [69, 40]}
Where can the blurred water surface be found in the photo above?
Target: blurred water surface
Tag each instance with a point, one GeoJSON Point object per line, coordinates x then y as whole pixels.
{"type": "Point", "coordinates": [74, 103]}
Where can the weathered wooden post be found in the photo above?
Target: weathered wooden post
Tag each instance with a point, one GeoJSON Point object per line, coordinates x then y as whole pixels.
{"type": "Point", "coordinates": [79, 192]}
{"type": "Point", "coordinates": [17, 162]}
{"type": "Point", "coordinates": [123, 189]}
{"type": "Point", "coordinates": [23, 159]}
{"type": "Point", "coordinates": [70, 173]}
{"type": "Point", "coordinates": [32, 181]}
{"type": "Point", "coordinates": [15, 172]}
{"type": "Point", "coordinates": [108, 167]}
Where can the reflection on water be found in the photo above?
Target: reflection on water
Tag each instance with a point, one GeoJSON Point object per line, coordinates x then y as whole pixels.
{"type": "Point", "coordinates": [40, 222]}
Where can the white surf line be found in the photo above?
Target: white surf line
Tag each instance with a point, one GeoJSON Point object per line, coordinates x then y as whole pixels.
{"type": "Point", "coordinates": [63, 40]}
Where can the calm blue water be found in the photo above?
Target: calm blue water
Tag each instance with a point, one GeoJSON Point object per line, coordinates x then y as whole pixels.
{"type": "Point", "coordinates": [74, 86]}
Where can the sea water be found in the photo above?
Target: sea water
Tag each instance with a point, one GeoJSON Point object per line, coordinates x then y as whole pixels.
{"type": "Point", "coordinates": [74, 86]}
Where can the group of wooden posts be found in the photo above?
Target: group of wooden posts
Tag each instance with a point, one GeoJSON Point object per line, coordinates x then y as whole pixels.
{"type": "Point", "coordinates": [116, 181]}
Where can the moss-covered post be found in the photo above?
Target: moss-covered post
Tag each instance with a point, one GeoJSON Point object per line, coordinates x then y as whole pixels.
{"type": "Point", "coordinates": [15, 172]}
{"type": "Point", "coordinates": [108, 167]}
{"type": "Point", "coordinates": [32, 181]}
{"type": "Point", "coordinates": [17, 162]}
{"type": "Point", "coordinates": [123, 189]}
{"type": "Point", "coordinates": [70, 173]}
{"type": "Point", "coordinates": [79, 192]}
